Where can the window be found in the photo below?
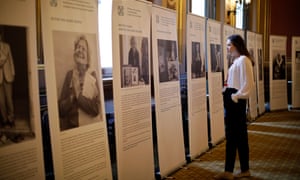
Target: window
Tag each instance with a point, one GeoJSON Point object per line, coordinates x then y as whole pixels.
{"type": "Point", "coordinates": [105, 36]}
{"type": "Point", "coordinates": [198, 7]}
{"type": "Point", "coordinates": [239, 15]}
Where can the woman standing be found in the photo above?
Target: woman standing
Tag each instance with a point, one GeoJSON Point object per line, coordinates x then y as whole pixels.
{"type": "Point", "coordinates": [240, 83]}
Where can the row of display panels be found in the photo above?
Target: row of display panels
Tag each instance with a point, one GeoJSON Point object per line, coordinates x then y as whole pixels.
{"type": "Point", "coordinates": [132, 92]}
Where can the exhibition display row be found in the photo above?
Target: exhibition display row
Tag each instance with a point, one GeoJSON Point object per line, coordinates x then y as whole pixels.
{"type": "Point", "coordinates": [153, 135]}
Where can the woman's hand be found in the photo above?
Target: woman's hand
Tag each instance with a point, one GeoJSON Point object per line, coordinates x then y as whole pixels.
{"type": "Point", "coordinates": [234, 98]}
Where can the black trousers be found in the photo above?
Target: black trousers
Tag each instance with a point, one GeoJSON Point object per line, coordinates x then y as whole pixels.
{"type": "Point", "coordinates": [235, 132]}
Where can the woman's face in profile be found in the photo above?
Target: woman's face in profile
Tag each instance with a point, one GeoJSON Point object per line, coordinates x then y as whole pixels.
{"type": "Point", "coordinates": [80, 53]}
{"type": "Point", "coordinates": [231, 49]}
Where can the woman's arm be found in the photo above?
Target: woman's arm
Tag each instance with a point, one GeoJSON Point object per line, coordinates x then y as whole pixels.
{"type": "Point", "coordinates": [90, 105]}
{"type": "Point", "coordinates": [67, 96]}
{"type": "Point", "coordinates": [246, 80]}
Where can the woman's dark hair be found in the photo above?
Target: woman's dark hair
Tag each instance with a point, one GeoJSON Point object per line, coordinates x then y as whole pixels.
{"type": "Point", "coordinates": [239, 43]}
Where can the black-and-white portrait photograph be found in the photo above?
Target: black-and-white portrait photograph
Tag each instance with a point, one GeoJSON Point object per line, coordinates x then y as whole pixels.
{"type": "Point", "coordinates": [198, 63]}
{"type": "Point", "coordinates": [134, 61]}
{"type": "Point", "coordinates": [297, 55]}
{"type": "Point", "coordinates": [77, 79]}
{"type": "Point", "coordinates": [167, 60]}
{"type": "Point", "coordinates": [216, 58]}
{"type": "Point", "coordinates": [279, 65]}
{"type": "Point", "coordinates": [130, 76]}
{"type": "Point", "coordinates": [15, 104]}
{"type": "Point", "coordinates": [251, 52]}
{"type": "Point", "coordinates": [260, 64]}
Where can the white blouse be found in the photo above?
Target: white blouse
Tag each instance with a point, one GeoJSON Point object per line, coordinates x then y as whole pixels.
{"type": "Point", "coordinates": [240, 77]}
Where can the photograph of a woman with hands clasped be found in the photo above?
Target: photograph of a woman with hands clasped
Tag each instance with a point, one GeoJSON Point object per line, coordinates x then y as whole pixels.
{"type": "Point", "coordinates": [79, 101]}
{"type": "Point", "coordinates": [239, 84]}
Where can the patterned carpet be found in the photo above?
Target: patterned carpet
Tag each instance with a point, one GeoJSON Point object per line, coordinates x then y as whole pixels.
{"type": "Point", "coordinates": [274, 140]}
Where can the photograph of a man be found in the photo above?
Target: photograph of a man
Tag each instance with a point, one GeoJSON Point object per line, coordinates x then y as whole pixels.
{"type": "Point", "coordinates": [215, 55]}
{"type": "Point", "coordinates": [198, 65]}
{"type": "Point", "coordinates": [167, 60]}
{"type": "Point", "coordinates": [134, 55]}
{"type": "Point", "coordinates": [79, 99]}
{"type": "Point", "coordinates": [172, 61]}
{"type": "Point", "coordinates": [278, 66]}
{"type": "Point", "coordinates": [15, 106]}
{"type": "Point", "coordinates": [162, 63]}
{"type": "Point", "coordinates": [134, 59]}
{"type": "Point", "coordinates": [7, 77]}
{"type": "Point", "coordinates": [145, 61]}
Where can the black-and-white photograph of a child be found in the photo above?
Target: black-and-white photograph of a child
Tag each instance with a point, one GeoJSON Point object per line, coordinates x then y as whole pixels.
{"type": "Point", "coordinates": [278, 65]}
{"type": "Point", "coordinates": [167, 60]}
{"type": "Point", "coordinates": [198, 65]}
{"type": "Point", "coordinates": [297, 57]}
{"type": "Point", "coordinates": [260, 64]}
{"type": "Point", "coordinates": [76, 79]}
{"type": "Point", "coordinates": [216, 59]}
{"type": "Point", "coordinates": [15, 121]}
{"type": "Point", "coordinates": [134, 54]}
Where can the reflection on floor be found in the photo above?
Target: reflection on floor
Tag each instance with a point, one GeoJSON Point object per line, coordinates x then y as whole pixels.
{"type": "Point", "coordinates": [274, 140]}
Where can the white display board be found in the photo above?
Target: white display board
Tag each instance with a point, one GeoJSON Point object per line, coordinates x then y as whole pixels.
{"type": "Point", "coordinates": [170, 144]}
{"type": "Point", "coordinates": [132, 93]}
{"type": "Point", "coordinates": [252, 101]}
{"type": "Point", "coordinates": [196, 79]}
{"type": "Point", "coordinates": [241, 32]}
{"type": "Point", "coordinates": [215, 84]}
{"type": "Point", "coordinates": [278, 74]}
{"type": "Point", "coordinates": [260, 74]}
{"type": "Point", "coordinates": [75, 90]}
{"type": "Point", "coordinates": [21, 147]}
{"type": "Point", "coordinates": [296, 72]}
{"type": "Point", "coordinates": [228, 59]}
